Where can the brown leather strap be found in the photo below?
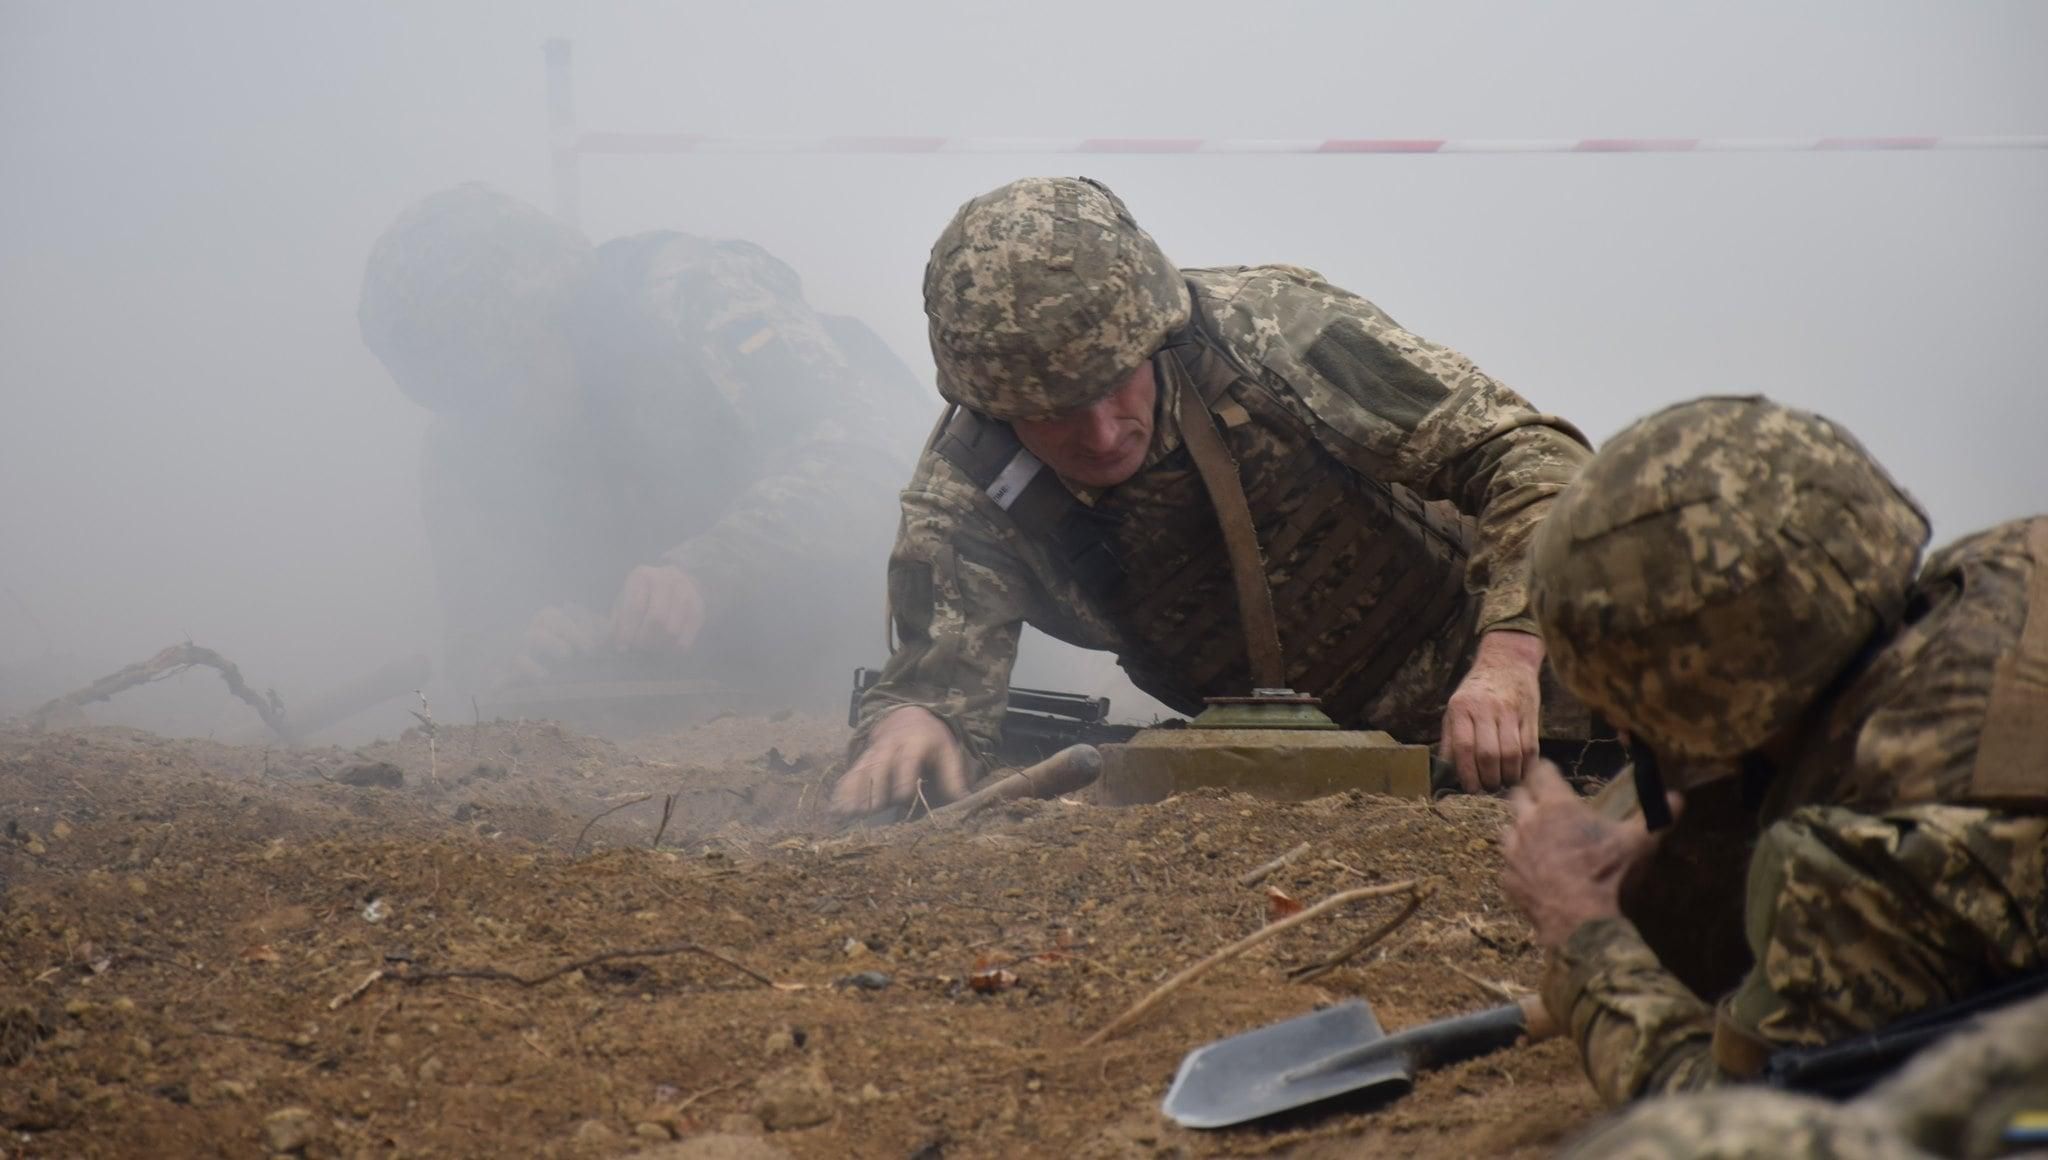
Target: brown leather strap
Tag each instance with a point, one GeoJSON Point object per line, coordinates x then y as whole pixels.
{"type": "Point", "coordinates": [1240, 537]}
{"type": "Point", "coordinates": [1736, 1051]}
{"type": "Point", "coordinates": [2009, 750]}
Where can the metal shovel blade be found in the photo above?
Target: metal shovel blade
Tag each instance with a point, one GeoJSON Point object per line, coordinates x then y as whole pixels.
{"type": "Point", "coordinates": [1338, 1051]}
{"type": "Point", "coordinates": [1262, 1073]}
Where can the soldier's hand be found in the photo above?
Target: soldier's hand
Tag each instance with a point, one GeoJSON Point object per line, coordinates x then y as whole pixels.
{"type": "Point", "coordinates": [556, 634]}
{"type": "Point", "coordinates": [907, 746]}
{"type": "Point", "coordinates": [1564, 862]}
{"type": "Point", "coordinates": [1490, 725]}
{"type": "Point", "coordinates": [659, 610]}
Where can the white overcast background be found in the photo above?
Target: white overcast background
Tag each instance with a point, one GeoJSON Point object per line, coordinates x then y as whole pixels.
{"type": "Point", "coordinates": [194, 441]}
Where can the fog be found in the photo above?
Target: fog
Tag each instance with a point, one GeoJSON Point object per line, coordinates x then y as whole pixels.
{"type": "Point", "coordinates": [195, 442]}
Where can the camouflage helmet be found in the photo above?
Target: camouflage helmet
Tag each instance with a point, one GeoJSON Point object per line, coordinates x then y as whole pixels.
{"type": "Point", "coordinates": [1043, 296]}
{"type": "Point", "coordinates": [1715, 567]}
{"type": "Point", "coordinates": [468, 293]}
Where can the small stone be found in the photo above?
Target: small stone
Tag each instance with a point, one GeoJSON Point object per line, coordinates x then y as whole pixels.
{"type": "Point", "coordinates": [867, 981]}
{"type": "Point", "coordinates": [289, 1129]}
{"type": "Point", "coordinates": [797, 1097]}
{"type": "Point", "coordinates": [124, 1005]}
{"type": "Point", "coordinates": [779, 1041]}
{"type": "Point", "coordinates": [869, 1093]}
{"type": "Point", "coordinates": [36, 847]}
{"type": "Point", "coordinates": [595, 1132]}
{"type": "Point", "coordinates": [142, 1046]}
{"type": "Point", "coordinates": [61, 830]}
{"type": "Point", "coordinates": [78, 1008]}
{"type": "Point", "coordinates": [138, 887]}
{"type": "Point", "coordinates": [394, 1041]}
{"type": "Point", "coordinates": [649, 1130]}
{"type": "Point", "coordinates": [231, 1089]}
{"type": "Point", "coordinates": [431, 1069]}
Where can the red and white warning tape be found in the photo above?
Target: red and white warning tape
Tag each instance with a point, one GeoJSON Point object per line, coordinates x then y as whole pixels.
{"type": "Point", "coordinates": [645, 143]}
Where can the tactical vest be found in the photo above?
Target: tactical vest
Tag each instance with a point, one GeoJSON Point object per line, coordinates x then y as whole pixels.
{"type": "Point", "coordinates": [1361, 571]}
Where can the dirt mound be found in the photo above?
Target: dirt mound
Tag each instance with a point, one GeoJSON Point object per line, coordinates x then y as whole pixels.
{"type": "Point", "coordinates": [212, 949]}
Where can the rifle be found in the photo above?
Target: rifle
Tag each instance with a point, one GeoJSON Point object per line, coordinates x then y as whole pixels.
{"type": "Point", "coordinates": [1037, 724]}
{"type": "Point", "coordinates": [1848, 1067]}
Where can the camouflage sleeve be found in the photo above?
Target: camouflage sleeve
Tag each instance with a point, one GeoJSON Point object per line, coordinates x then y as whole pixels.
{"type": "Point", "coordinates": [1402, 409]}
{"type": "Point", "coordinates": [959, 597]}
{"type": "Point", "coordinates": [822, 509]}
{"type": "Point", "coordinates": [823, 426]}
{"type": "Point", "coordinates": [1857, 920]}
{"type": "Point", "coordinates": [1638, 1029]}
{"type": "Point", "coordinates": [1853, 921]}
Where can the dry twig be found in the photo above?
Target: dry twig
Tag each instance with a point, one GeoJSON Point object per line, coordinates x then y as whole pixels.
{"type": "Point", "coordinates": [1315, 971]}
{"type": "Point", "coordinates": [1239, 947]}
{"type": "Point", "coordinates": [1502, 990]}
{"type": "Point", "coordinates": [169, 663]}
{"type": "Point", "coordinates": [1259, 874]}
{"type": "Point", "coordinates": [585, 832]}
{"type": "Point", "coordinates": [493, 974]}
{"type": "Point", "coordinates": [668, 810]}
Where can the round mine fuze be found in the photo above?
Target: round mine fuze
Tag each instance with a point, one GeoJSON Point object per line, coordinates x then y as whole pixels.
{"type": "Point", "coordinates": [1043, 296]}
{"type": "Point", "coordinates": [1716, 567]}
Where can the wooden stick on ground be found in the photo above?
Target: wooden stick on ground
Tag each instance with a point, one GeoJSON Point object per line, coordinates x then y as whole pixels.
{"type": "Point", "coordinates": [1259, 874]}
{"type": "Point", "coordinates": [494, 974]}
{"type": "Point", "coordinates": [170, 662]}
{"type": "Point", "coordinates": [1246, 943]}
{"type": "Point", "coordinates": [585, 832]}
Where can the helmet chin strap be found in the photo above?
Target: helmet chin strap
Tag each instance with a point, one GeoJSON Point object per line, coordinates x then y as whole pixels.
{"type": "Point", "coordinates": [1649, 786]}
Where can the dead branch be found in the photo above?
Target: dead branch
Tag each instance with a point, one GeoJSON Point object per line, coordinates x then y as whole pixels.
{"type": "Point", "coordinates": [1314, 971]}
{"type": "Point", "coordinates": [1239, 947]}
{"type": "Point", "coordinates": [493, 974]}
{"type": "Point", "coordinates": [1259, 874]}
{"type": "Point", "coordinates": [600, 817]}
{"type": "Point", "coordinates": [668, 810]}
{"type": "Point", "coordinates": [170, 662]}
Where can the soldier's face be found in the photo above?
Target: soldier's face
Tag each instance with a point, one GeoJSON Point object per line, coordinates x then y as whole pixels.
{"type": "Point", "coordinates": [1100, 445]}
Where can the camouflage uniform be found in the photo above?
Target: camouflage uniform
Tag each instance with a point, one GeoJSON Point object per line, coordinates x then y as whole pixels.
{"type": "Point", "coordinates": [1727, 579]}
{"type": "Point", "coordinates": [707, 417]}
{"type": "Point", "coordinates": [1358, 445]}
{"type": "Point", "coordinates": [1981, 1092]}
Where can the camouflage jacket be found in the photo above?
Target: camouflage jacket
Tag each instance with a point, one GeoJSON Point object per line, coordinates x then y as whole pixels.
{"type": "Point", "coordinates": [1886, 880]}
{"type": "Point", "coordinates": [1379, 401]}
{"type": "Point", "coordinates": [723, 426]}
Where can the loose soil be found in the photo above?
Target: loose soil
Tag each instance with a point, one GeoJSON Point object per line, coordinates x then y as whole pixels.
{"type": "Point", "coordinates": [218, 950]}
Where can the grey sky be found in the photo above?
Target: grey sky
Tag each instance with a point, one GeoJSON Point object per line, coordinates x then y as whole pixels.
{"type": "Point", "coordinates": [192, 438]}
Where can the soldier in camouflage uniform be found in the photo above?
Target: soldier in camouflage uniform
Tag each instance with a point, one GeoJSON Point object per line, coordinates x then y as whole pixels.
{"type": "Point", "coordinates": [1392, 487]}
{"type": "Point", "coordinates": [648, 459]}
{"type": "Point", "coordinates": [1734, 583]}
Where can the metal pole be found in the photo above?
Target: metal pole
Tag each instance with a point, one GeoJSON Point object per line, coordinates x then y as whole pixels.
{"type": "Point", "coordinates": [562, 132]}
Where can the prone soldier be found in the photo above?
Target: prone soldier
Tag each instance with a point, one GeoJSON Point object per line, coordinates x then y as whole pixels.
{"type": "Point", "coordinates": [1111, 411]}
{"type": "Point", "coordinates": [1737, 584]}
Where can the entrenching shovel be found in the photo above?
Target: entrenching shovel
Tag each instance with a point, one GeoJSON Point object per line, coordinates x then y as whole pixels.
{"type": "Point", "coordinates": [1338, 1051]}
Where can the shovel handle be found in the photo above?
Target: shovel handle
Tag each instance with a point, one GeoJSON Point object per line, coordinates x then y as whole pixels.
{"type": "Point", "coordinates": [1071, 769]}
{"type": "Point", "coordinates": [1445, 1041]}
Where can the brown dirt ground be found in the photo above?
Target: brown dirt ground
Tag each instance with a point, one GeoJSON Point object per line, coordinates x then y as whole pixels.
{"type": "Point", "coordinates": [186, 930]}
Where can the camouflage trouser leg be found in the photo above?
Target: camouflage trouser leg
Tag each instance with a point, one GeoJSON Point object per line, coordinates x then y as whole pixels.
{"type": "Point", "coordinates": [1981, 1092]}
{"type": "Point", "coordinates": [1739, 1124]}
